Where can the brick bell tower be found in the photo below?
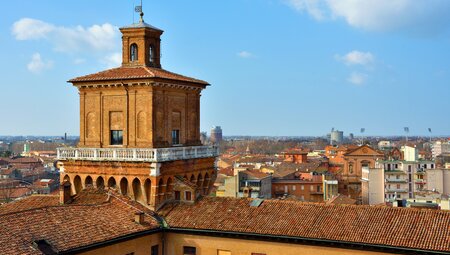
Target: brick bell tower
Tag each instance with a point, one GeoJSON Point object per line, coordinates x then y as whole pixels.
{"type": "Point", "coordinates": [140, 128]}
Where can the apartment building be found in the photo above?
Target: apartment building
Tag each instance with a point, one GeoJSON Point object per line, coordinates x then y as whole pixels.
{"type": "Point", "coordinates": [404, 177]}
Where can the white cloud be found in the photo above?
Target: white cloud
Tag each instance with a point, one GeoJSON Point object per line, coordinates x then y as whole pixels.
{"type": "Point", "coordinates": [415, 16]}
{"type": "Point", "coordinates": [113, 60]}
{"type": "Point", "coordinates": [357, 78]}
{"type": "Point", "coordinates": [357, 58]}
{"type": "Point", "coordinates": [37, 65]}
{"type": "Point", "coordinates": [29, 29]}
{"type": "Point", "coordinates": [313, 7]}
{"type": "Point", "coordinates": [245, 54]}
{"type": "Point", "coordinates": [68, 39]}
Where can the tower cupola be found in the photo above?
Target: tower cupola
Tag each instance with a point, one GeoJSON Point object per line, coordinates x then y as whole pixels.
{"type": "Point", "coordinates": [141, 45]}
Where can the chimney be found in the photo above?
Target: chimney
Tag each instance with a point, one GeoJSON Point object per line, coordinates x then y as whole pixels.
{"type": "Point", "coordinates": [139, 218]}
{"type": "Point", "coordinates": [247, 192]}
{"type": "Point", "coordinates": [64, 193]}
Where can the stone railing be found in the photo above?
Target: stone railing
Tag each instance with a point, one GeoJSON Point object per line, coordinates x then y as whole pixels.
{"type": "Point", "coordinates": [137, 154]}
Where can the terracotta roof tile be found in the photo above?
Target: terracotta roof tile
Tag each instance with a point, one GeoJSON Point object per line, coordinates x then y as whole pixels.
{"type": "Point", "coordinates": [136, 73]}
{"type": "Point", "coordinates": [256, 174]}
{"type": "Point", "coordinates": [395, 227]}
{"type": "Point", "coordinates": [28, 203]}
{"type": "Point", "coordinates": [70, 226]}
{"type": "Point", "coordinates": [342, 200]}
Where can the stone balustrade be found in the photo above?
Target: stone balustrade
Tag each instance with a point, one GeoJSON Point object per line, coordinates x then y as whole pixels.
{"type": "Point", "coordinates": [137, 154]}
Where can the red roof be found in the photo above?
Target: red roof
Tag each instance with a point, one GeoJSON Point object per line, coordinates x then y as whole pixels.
{"type": "Point", "coordinates": [94, 217]}
{"type": "Point", "coordinates": [140, 72]}
{"type": "Point", "coordinates": [386, 226]}
{"type": "Point", "coordinates": [28, 203]}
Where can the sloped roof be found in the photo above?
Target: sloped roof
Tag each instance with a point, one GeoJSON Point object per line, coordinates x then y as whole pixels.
{"type": "Point", "coordinates": [255, 174]}
{"type": "Point", "coordinates": [72, 226]}
{"type": "Point", "coordinates": [342, 200]}
{"type": "Point", "coordinates": [32, 202]}
{"type": "Point", "coordinates": [142, 24]}
{"type": "Point", "coordinates": [139, 72]}
{"type": "Point", "coordinates": [386, 226]}
{"type": "Point", "coordinates": [363, 150]}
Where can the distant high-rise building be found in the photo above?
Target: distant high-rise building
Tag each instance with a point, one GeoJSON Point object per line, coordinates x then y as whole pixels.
{"type": "Point", "coordinates": [440, 147]}
{"type": "Point", "coordinates": [351, 136]}
{"type": "Point", "coordinates": [337, 137]}
{"type": "Point", "coordinates": [203, 137]}
{"type": "Point", "coordinates": [26, 147]}
{"type": "Point", "coordinates": [216, 134]}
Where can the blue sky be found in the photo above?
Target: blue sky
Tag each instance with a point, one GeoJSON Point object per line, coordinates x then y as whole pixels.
{"type": "Point", "coordinates": [277, 67]}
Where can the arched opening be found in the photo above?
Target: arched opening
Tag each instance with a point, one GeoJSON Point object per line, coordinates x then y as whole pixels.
{"type": "Point", "coordinates": [137, 191]}
{"type": "Point", "coordinates": [192, 180]}
{"type": "Point", "coordinates": [200, 183]}
{"type": "Point", "coordinates": [206, 184]}
{"type": "Point", "coordinates": [77, 184]}
{"type": "Point", "coordinates": [133, 52]}
{"type": "Point", "coordinates": [169, 188]}
{"type": "Point", "coordinates": [112, 182]}
{"type": "Point", "coordinates": [66, 178]}
{"type": "Point", "coordinates": [100, 182]}
{"type": "Point", "coordinates": [148, 190]}
{"type": "Point", "coordinates": [124, 186]}
{"type": "Point", "coordinates": [185, 177]}
{"type": "Point", "coordinates": [160, 190]}
{"type": "Point", "coordinates": [151, 54]}
{"type": "Point", "coordinates": [88, 181]}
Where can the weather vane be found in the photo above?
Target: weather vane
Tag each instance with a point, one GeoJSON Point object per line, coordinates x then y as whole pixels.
{"type": "Point", "coordinates": [139, 9]}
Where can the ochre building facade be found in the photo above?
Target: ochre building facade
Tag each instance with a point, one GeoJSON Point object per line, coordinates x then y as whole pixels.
{"type": "Point", "coordinates": [140, 128]}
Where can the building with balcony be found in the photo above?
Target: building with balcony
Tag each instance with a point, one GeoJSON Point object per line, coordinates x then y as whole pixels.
{"type": "Point", "coordinates": [405, 177]}
{"type": "Point", "coordinates": [440, 147]}
{"type": "Point", "coordinates": [140, 127]}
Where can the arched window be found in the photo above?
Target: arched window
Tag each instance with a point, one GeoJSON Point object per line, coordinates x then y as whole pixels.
{"type": "Point", "coordinates": [151, 54]}
{"type": "Point", "coordinates": [124, 186]}
{"type": "Point", "coordinates": [133, 52]}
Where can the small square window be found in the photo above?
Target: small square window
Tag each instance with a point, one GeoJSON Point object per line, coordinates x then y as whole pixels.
{"type": "Point", "coordinates": [177, 195]}
{"type": "Point", "coordinates": [188, 250]}
{"type": "Point", "coordinates": [175, 136]}
{"type": "Point", "coordinates": [116, 137]}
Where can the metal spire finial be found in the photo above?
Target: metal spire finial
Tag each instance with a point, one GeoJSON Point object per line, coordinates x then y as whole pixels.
{"type": "Point", "coordinates": [141, 13]}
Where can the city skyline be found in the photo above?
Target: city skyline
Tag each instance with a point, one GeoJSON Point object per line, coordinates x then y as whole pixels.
{"type": "Point", "coordinates": [327, 66]}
